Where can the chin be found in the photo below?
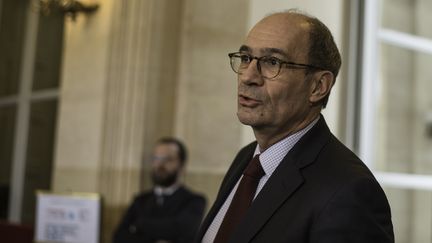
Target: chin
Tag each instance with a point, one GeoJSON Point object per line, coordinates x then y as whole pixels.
{"type": "Point", "coordinates": [247, 119]}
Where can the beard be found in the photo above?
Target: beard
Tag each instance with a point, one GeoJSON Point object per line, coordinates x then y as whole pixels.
{"type": "Point", "coordinates": [164, 179]}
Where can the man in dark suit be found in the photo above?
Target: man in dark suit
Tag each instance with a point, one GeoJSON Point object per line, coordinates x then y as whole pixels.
{"type": "Point", "coordinates": [302, 184]}
{"type": "Point", "coordinates": [168, 213]}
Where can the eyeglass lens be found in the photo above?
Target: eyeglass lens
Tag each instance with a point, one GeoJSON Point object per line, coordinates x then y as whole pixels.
{"type": "Point", "coordinates": [268, 67]}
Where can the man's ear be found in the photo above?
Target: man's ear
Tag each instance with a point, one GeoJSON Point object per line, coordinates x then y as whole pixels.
{"type": "Point", "coordinates": [321, 86]}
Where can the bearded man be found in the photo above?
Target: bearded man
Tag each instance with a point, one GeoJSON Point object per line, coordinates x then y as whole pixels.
{"type": "Point", "coordinates": [169, 212]}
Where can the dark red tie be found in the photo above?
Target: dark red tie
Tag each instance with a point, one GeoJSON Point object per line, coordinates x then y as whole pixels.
{"type": "Point", "coordinates": [241, 201]}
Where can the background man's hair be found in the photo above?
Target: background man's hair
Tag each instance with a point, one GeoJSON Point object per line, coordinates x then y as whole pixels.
{"type": "Point", "coordinates": [182, 151]}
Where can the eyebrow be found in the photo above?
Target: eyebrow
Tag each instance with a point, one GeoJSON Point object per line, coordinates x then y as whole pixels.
{"type": "Point", "coordinates": [266, 51]}
{"type": "Point", "coordinates": [245, 48]}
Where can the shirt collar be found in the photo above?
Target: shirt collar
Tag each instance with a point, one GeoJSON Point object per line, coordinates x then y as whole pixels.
{"type": "Point", "coordinates": [272, 156]}
{"type": "Point", "coordinates": [165, 191]}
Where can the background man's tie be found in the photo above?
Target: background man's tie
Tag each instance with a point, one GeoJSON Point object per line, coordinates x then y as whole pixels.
{"type": "Point", "coordinates": [241, 201]}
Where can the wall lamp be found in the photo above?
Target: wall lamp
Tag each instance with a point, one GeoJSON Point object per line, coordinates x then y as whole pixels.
{"type": "Point", "coordinates": [68, 7]}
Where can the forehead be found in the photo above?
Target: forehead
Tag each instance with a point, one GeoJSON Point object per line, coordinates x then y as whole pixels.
{"type": "Point", "coordinates": [165, 149]}
{"type": "Point", "coordinates": [287, 33]}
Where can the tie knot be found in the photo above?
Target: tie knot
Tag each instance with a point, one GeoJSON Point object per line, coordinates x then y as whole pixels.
{"type": "Point", "coordinates": [254, 168]}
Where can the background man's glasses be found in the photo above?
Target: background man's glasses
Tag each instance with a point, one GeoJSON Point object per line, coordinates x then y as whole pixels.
{"type": "Point", "coordinates": [267, 66]}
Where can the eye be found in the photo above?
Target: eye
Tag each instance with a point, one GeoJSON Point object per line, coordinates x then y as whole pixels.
{"type": "Point", "coordinates": [245, 58]}
{"type": "Point", "coordinates": [270, 61]}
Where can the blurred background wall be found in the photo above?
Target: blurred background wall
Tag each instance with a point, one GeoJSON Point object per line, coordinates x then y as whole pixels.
{"type": "Point", "coordinates": [84, 97]}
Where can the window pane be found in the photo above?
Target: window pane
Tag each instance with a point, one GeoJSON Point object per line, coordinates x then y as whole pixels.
{"type": "Point", "coordinates": [39, 159]}
{"type": "Point", "coordinates": [404, 112]}
{"type": "Point", "coordinates": [48, 51]}
{"type": "Point", "coordinates": [7, 128]}
{"type": "Point", "coordinates": [12, 29]}
{"type": "Point", "coordinates": [411, 214]}
{"type": "Point", "coordinates": [410, 16]}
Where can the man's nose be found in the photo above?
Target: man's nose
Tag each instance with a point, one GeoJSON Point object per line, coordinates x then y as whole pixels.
{"type": "Point", "coordinates": [158, 162]}
{"type": "Point", "coordinates": [251, 75]}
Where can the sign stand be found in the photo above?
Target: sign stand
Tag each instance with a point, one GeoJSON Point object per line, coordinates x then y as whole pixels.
{"type": "Point", "coordinates": [67, 217]}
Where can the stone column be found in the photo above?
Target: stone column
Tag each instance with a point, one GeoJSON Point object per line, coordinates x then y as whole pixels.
{"type": "Point", "coordinates": [139, 104]}
{"type": "Point", "coordinates": [206, 110]}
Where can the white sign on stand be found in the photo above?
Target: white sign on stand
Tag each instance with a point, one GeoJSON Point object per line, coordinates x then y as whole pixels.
{"type": "Point", "coordinates": [68, 218]}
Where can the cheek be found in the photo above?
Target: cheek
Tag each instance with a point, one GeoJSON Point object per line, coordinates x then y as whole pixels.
{"type": "Point", "coordinates": [279, 98]}
{"type": "Point", "coordinates": [286, 100]}
{"type": "Point", "coordinates": [154, 166]}
{"type": "Point", "coordinates": [171, 166]}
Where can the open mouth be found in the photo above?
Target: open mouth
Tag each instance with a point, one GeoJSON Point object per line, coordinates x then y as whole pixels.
{"type": "Point", "coordinates": [247, 101]}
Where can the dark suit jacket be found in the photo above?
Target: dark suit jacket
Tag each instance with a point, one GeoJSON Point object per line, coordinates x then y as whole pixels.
{"type": "Point", "coordinates": [176, 220]}
{"type": "Point", "coordinates": [320, 192]}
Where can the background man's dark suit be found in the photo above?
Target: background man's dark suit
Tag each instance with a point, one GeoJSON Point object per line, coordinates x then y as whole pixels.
{"type": "Point", "coordinates": [321, 192]}
{"type": "Point", "coordinates": [176, 220]}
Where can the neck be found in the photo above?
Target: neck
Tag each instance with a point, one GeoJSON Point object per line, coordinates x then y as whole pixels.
{"type": "Point", "coordinates": [267, 136]}
{"type": "Point", "coordinates": [166, 190]}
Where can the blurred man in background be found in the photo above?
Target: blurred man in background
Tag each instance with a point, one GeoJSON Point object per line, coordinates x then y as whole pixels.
{"type": "Point", "coordinates": [169, 212]}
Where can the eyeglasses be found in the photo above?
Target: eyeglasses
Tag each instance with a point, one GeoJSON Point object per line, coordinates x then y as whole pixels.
{"type": "Point", "coordinates": [268, 66]}
{"type": "Point", "coordinates": [162, 159]}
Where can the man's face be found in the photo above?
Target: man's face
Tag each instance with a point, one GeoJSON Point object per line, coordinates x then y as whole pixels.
{"type": "Point", "coordinates": [165, 164]}
{"type": "Point", "coordinates": [281, 103]}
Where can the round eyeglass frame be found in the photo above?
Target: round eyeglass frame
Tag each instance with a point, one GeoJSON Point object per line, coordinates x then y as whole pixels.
{"type": "Point", "coordinates": [289, 65]}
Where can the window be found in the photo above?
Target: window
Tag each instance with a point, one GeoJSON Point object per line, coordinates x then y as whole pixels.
{"type": "Point", "coordinates": [396, 107]}
{"type": "Point", "coordinates": [31, 46]}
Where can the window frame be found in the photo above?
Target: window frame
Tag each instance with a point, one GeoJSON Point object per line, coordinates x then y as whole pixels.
{"type": "Point", "coordinates": [372, 36]}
